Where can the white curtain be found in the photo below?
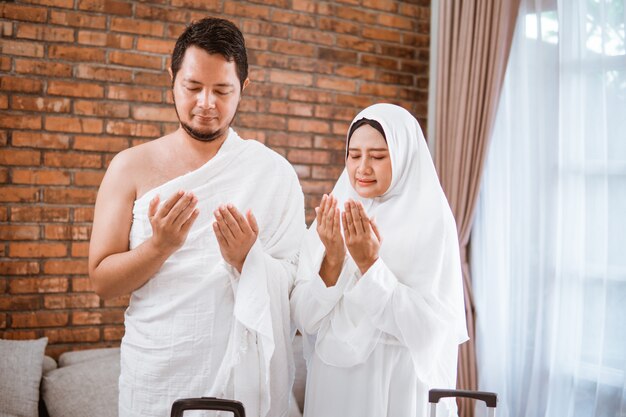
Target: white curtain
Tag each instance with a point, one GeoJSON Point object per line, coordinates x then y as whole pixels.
{"type": "Point", "coordinates": [548, 248]}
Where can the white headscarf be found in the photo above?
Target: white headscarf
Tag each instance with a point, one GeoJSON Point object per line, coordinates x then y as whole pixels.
{"type": "Point", "coordinates": [413, 215]}
{"type": "Point", "coordinates": [419, 246]}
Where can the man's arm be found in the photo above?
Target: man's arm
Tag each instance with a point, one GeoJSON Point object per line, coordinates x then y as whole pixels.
{"type": "Point", "coordinates": [113, 268]}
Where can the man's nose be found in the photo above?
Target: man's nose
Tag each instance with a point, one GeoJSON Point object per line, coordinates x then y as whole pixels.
{"type": "Point", "coordinates": [206, 100]}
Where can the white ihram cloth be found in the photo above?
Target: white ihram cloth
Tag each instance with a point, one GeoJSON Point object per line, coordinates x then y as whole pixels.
{"type": "Point", "coordinates": [197, 327]}
{"type": "Point", "coordinates": [378, 342]}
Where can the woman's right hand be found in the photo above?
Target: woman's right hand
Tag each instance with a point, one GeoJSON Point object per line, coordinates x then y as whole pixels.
{"type": "Point", "coordinates": [329, 230]}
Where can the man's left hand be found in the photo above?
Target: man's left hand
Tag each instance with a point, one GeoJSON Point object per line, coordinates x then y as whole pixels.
{"type": "Point", "coordinates": [235, 234]}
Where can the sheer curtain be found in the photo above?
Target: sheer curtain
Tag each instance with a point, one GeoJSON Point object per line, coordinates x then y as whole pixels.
{"type": "Point", "coordinates": [548, 248]}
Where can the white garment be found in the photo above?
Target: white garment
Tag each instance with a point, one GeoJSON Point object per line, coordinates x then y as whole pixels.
{"type": "Point", "coordinates": [198, 328]}
{"type": "Point", "coordinates": [406, 309]}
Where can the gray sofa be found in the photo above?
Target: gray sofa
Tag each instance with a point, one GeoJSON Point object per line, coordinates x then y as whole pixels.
{"type": "Point", "coordinates": [81, 383]}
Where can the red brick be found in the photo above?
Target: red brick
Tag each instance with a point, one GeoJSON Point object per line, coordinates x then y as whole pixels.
{"type": "Point", "coordinates": [37, 285]}
{"type": "Point", "coordinates": [338, 84]}
{"type": "Point", "coordinates": [83, 214]}
{"type": "Point", "coordinates": [381, 34]}
{"type": "Point", "coordinates": [210, 5]}
{"type": "Point", "coordinates": [79, 250]}
{"type": "Point", "coordinates": [18, 268]}
{"type": "Point", "coordinates": [144, 28]}
{"type": "Point", "coordinates": [256, 42]}
{"type": "Point", "coordinates": [289, 77]}
{"type": "Point", "coordinates": [272, 30]}
{"type": "Point", "coordinates": [380, 62]}
{"type": "Point", "coordinates": [88, 178]}
{"type": "Point", "coordinates": [68, 267]}
{"type": "Point", "coordinates": [310, 65]}
{"type": "Point", "coordinates": [340, 128]}
{"type": "Point", "coordinates": [19, 302]}
{"type": "Point", "coordinates": [72, 160]}
{"type": "Point", "coordinates": [294, 19]}
{"type": "Point", "coordinates": [75, 89]}
{"type": "Point", "coordinates": [337, 55]}
{"type": "Point", "coordinates": [52, 69]}
{"type": "Point", "coordinates": [247, 11]}
{"type": "Point", "coordinates": [358, 101]}
{"type": "Point", "coordinates": [39, 214]}
{"type": "Point", "coordinates": [20, 12]}
{"type": "Point", "coordinates": [81, 284]}
{"type": "Point", "coordinates": [109, 75]}
{"type": "Point", "coordinates": [283, 107]}
{"type": "Point", "coordinates": [335, 112]}
{"type": "Point", "coordinates": [292, 48]}
{"type": "Point", "coordinates": [101, 108]}
{"type": "Point", "coordinates": [113, 332]}
{"type": "Point", "coordinates": [77, 19]}
{"type": "Point", "coordinates": [329, 142]}
{"type": "Point", "coordinates": [310, 95]}
{"type": "Point", "coordinates": [21, 48]}
{"type": "Point", "coordinates": [63, 232]}
{"type": "Point", "coordinates": [354, 14]}
{"type": "Point", "coordinates": [380, 90]}
{"type": "Point", "coordinates": [45, 33]}
{"type": "Point", "coordinates": [157, 46]}
{"type": "Point", "coordinates": [41, 177]}
{"type": "Point", "coordinates": [133, 129]}
{"type": "Point", "coordinates": [159, 79]}
{"type": "Point", "coordinates": [173, 30]}
{"type": "Point", "coordinates": [308, 156]}
{"type": "Point", "coordinates": [70, 196]}
{"type": "Point", "coordinates": [39, 319]}
{"type": "Point", "coordinates": [43, 104]}
{"type": "Point", "coordinates": [76, 53]}
{"type": "Point", "coordinates": [310, 35]}
{"type": "Point", "coordinates": [121, 301]}
{"type": "Point", "coordinates": [25, 85]}
{"type": "Point", "coordinates": [397, 78]}
{"type": "Point", "coordinates": [339, 26]}
{"type": "Point", "coordinates": [112, 40]}
{"type": "Point", "coordinates": [306, 125]}
{"type": "Point", "coordinates": [384, 5]}
{"type": "Point", "coordinates": [106, 6]}
{"type": "Point", "coordinates": [19, 157]}
{"type": "Point", "coordinates": [327, 172]}
{"type": "Point", "coordinates": [261, 121]}
{"type": "Point", "coordinates": [72, 335]}
{"type": "Point", "coordinates": [317, 186]}
{"type": "Point", "coordinates": [116, 92]}
{"type": "Point", "coordinates": [268, 60]}
{"type": "Point", "coordinates": [15, 232]}
{"type": "Point", "coordinates": [67, 4]}
{"type": "Point", "coordinates": [3, 321]}
{"type": "Point", "coordinates": [81, 318]}
{"type": "Point", "coordinates": [37, 250]}
{"type": "Point", "coordinates": [73, 124]}
{"type": "Point", "coordinates": [289, 140]}
{"type": "Point", "coordinates": [19, 335]}
{"type": "Point", "coordinates": [397, 22]}
{"type": "Point", "coordinates": [100, 143]}
{"type": "Point", "coordinates": [19, 194]}
{"type": "Point", "coordinates": [150, 12]}
{"type": "Point", "coordinates": [155, 114]}
{"type": "Point", "coordinates": [40, 140]}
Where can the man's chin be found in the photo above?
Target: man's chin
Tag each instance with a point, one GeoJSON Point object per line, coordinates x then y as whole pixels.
{"type": "Point", "coordinates": [203, 135]}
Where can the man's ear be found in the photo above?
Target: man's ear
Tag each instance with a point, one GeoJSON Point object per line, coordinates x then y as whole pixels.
{"type": "Point", "coordinates": [169, 70]}
{"type": "Point", "coordinates": [245, 84]}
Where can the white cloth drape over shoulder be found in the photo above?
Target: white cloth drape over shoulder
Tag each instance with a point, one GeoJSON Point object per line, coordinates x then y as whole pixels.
{"type": "Point", "coordinates": [407, 308]}
{"type": "Point", "coordinates": [198, 327]}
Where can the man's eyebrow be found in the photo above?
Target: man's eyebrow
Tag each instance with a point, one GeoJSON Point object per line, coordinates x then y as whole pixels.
{"type": "Point", "coordinates": [192, 81]}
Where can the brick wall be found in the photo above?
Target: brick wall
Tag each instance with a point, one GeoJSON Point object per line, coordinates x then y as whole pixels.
{"type": "Point", "coordinates": [84, 79]}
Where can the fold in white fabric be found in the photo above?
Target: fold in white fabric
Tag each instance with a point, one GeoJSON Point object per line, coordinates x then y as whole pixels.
{"type": "Point", "coordinates": [198, 327]}
{"type": "Point", "coordinates": [411, 298]}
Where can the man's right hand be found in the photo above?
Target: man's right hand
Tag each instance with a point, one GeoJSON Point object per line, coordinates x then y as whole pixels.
{"type": "Point", "coordinates": [172, 220]}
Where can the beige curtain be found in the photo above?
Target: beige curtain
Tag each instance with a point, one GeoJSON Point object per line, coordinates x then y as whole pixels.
{"type": "Point", "coordinates": [473, 43]}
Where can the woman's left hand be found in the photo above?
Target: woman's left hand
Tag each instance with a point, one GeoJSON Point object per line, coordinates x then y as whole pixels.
{"type": "Point", "coordinates": [361, 235]}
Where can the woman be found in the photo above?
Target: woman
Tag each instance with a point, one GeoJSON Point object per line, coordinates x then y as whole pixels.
{"type": "Point", "coordinates": [380, 303]}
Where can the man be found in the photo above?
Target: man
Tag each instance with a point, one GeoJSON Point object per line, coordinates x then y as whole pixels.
{"type": "Point", "coordinates": [209, 310]}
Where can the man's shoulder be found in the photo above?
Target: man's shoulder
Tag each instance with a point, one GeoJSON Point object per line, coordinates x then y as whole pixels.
{"type": "Point", "coordinates": [266, 155]}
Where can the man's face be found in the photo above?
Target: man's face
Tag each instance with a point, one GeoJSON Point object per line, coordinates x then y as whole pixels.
{"type": "Point", "coordinates": [206, 94]}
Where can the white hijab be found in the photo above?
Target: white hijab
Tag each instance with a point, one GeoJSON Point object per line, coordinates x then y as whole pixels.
{"type": "Point", "coordinates": [419, 236]}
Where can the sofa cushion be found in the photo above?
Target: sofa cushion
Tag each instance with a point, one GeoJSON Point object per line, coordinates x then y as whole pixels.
{"type": "Point", "coordinates": [22, 362]}
{"type": "Point", "coordinates": [88, 387]}
{"type": "Point", "coordinates": [72, 358]}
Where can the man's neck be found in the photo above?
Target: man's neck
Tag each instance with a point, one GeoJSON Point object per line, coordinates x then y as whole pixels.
{"type": "Point", "coordinates": [198, 152]}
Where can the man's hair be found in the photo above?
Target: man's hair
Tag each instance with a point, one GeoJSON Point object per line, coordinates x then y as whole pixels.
{"type": "Point", "coordinates": [215, 36]}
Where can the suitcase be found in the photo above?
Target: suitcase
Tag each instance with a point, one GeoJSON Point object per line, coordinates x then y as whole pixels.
{"type": "Point", "coordinates": [490, 399]}
{"type": "Point", "coordinates": [236, 407]}
{"type": "Point", "coordinates": [207, 403]}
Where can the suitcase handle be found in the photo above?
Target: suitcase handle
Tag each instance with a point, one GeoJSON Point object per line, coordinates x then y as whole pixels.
{"type": "Point", "coordinates": [490, 398]}
{"type": "Point", "coordinates": [207, 403]}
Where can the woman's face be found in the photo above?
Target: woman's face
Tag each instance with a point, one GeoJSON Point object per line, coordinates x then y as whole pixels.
{"type": "Point", "coordinates": [369, 162]}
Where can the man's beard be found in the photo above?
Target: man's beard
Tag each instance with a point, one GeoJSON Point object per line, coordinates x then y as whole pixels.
{"type": "Point", "coordinates": [203, 136]}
